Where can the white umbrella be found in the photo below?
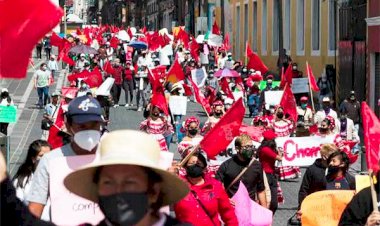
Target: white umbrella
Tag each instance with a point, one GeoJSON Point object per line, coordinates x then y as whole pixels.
{"type": "Point", "coordinates": [123, 35]}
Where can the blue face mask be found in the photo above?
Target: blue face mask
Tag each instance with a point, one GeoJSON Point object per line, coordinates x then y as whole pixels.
{"type": "Point", "coordinates": [303, 106]}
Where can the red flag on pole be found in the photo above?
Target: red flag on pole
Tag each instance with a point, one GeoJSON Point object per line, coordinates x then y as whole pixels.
{"type": "Point", "coordinates": [200, 98]}
{"type": "Point", "coordinates": [288, 103]}
{"type": "Point", "coordinates": [54, 139]}
{"type": "Point", "coordinates": [248, 50]}
{"type": "Point", "coordinates": [313, 83]}
{"type": "Point", "coordinates": [224, 131]}
{"type": "Point", "coordinates": [226, 42]}
{"type": "Point", "coordinates": [175, 73]}
{"type": "Point", "coordinates": [215, 28]}
{"type": "Point", "coordinates": [287, 78]}
{"type": "Point", "coordinates": [194, 49]}
{"type": "Point", "coordinates": [94, 78]}
{"type": "Point", "coordinates": [22, 25]}
{"type": "Point", "coordinates": [254, 62]}
{"type": "Point", "coordinates": [371, 129]}
{"type": "Point", "coordinates": [226, 88]}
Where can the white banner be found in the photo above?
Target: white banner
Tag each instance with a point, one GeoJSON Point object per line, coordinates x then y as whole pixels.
{"type": "Point", "coordinates": [301, 151]}
{"type": "Point", "coordinates": [273, 97]}
{"type": "Point", "coordinates": [178, 105]}
{"type": "Point", "coordinates": [300, 85]}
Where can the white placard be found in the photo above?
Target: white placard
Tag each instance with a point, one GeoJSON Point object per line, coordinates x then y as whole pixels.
{"type": "Point", "coordinates": [302, 151]}
{"type": "Point", "coordinates": [273, 97]}
{"type": "Point", "coordinates": [300, 85]}
{"type": "Point", "coordinates": [178, 105]}
{"type": "Point", "coordinates": [199, 76]}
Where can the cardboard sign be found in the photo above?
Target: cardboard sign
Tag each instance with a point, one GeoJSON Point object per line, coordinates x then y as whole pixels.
{"type": "Point", "coordinates": [199, 76]}
{"type": "Point", "coordinates": [249, 212]}
{"type": "Point", "coordinates": [300, 85]}
{"type": "Point", "coordinates": [8, 114]}
{"type": "Point", "coordinates": [66, 207]}
{"type": "Point", "coordinates": [361, 182]}
{"type": "Point", "coordinates": [273, 97]}
{"type": "Point", "coordinates": [301, 151]}
{"type": "Point", "coordinates": [325, 207]}
{"type": "Point", "coordinates": [178, 105]}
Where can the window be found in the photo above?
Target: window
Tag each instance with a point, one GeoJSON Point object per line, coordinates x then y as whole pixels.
{"type": "Point", "coordinates": [275, 38]}
{"type": "Point", "coordinates": [315, 25]}
{"type": "Point", "coordinates": [287, 25]}
{"type": "Point", "coordinates": [300, 27]}
{"type": "Point", "coordinates": [332, 29]}
{"type": "Point", "coordinates": [246, 23]}
{"type": "Point", "coordinates": [237, 37]}
{"type": "Point", "coordinates": [264, 28]}
{"type": "Point", "coordinates": [254, 24]}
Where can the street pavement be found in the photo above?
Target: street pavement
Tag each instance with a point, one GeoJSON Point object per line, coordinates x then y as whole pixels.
{"type": "Point", "coordinates": [27, 129]}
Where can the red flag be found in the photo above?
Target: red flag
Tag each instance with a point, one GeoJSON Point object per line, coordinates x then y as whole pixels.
{"type": "Point", "coordinates": [255, 132]}
{"type": "Point", "coordinates": [94, 78]}
{"type": "Point", "coordinates": [114, 42]}
{"type": "Point", "coordinates": [371, 129]}
{"type": "Point", "coordinates": [55, 40]}
{"type": "Point", "coordinates": [129, 32]}
{"type": "Point", "coordinates": [143, 30]}
{"type": "Point", "coordinates": [154, 77]}
{"type": "Point", "coordinates": [54, 139]}
{"type": "Point", "coordinates": [224, 131]}
{"type": "Point", "coordinates": [211, 94]}
{"type": "Point", "coordinates": [215, 28]}
{"type": "Point", "coordinates": [187, 89]}
{"type": "Point", "coordinates": [158, 99]}
{"type": "Point", "coordinates": [70, 92]}
{"type": "Point", "coordinates": [175, 73]}
{"type": "Point", "coordinates": [81, 75]}
{"type": "Point", "coordinates": [226, 42]}
{"type": "Point", "coordinates": [194, 49]}
{"type": "Point", "coordinates": [287, 78]}
{"type": "Point", "coordinates": [226, 88]}
{"type": "Point", "coordinates": [200, 98]}
{"type": "Point", "coordinates": [313, 83]}
{"type": "Point", "coordinates": [288, 103]}
{"type": "Point", "coordinates": [248, 50]}
{"type": "Point", "coordinates": [184, 37]}
{"type": "Point", "coordinates": [254, 62]}
{"type": "Point", "coordinates": [79, 32]}
{"type": "Point", "coordinates": [108, 68]}
{"type": "Point", "coordinates": [153, 40]}
{"type": "Point", "coordinates": [23, 24]}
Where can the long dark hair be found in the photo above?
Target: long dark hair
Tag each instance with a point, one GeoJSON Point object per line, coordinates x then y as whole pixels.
{"type": "Point", "coordinates": [268, 143]}
{"type": "Point", "coordinates": [29, 165]}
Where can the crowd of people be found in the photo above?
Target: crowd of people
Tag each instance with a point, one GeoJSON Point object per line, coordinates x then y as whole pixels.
{"type": "Point", "coordinates": [126, 180]}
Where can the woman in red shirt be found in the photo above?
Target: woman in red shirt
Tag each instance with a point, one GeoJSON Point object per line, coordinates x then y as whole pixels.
{"type": "Point", "coordinates": [207, 199]}
{"type": "Point", "coordinates": [128, 86]}
{"type": "Point", "coordinates": [268, 155]}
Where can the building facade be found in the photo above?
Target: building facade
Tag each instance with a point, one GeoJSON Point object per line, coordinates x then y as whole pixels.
{"type": "Point", "coordinates": [309, 33]}
{"type": "Point", "coordinates": [373, 53]}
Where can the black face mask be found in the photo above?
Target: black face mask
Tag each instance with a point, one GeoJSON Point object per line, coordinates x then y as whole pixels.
{"type": "Point", "coordinates": [194, 171]}
{"type": "Point", "coordinates": [218, 113]}
{"type": "Point", "coordinates": [332, 170]}
{"type": "Point", "coordinates": [326, 107]}
{"type": "Point", "coordinates": [125, 208]}
{"type": "Point", "coordinates": [193, 132]}
{"type": "Point", "coordinates": [323, 130]}
{"type": "Point", "coordinates": [280, 115]}
{"type": "Point", "coordinates": [246, 153]}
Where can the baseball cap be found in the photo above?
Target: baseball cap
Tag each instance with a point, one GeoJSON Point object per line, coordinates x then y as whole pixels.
{"type": "Point", "coordinates": [85, 109]}
{"type": "Point", "coordinates": [326, 99]}
{"type": "Point", "coordinates": [54, 94]}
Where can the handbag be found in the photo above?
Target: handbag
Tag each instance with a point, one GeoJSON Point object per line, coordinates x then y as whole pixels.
{"type": "Point", "coordinates": [46, 124]}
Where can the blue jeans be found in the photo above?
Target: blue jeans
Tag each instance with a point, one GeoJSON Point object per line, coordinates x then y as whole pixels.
{"type": "Point", "coordinates": [43, 91]}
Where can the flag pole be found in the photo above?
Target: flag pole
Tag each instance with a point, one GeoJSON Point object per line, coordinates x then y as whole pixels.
{"type": "Point", "coordinates": [310, 90]}
{"type": "Point", "coordinates": [373, 192]}
{"type": "Point", "coordinates": [182, 163]}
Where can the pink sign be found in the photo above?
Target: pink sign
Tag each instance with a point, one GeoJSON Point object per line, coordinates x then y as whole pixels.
{"type": "Point", "coordinates": [66, 207]}
{"type": "Point", "coordinates": [248, 212]}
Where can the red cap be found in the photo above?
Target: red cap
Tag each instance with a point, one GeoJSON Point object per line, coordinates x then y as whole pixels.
{"type": "Point", "coordinates": [269, 135]}
{"type": "Point", "coordinates": [218, 103]}
{"type": "Point", "coordinates": [304, 98]}
{"type": "Point", "coordinates": [270, 77]}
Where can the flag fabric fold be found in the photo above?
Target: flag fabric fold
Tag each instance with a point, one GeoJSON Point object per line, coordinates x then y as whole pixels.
{"type": "Point", "coordinates": [254, 62]}
{"type": "Point", "coordinates": [200, 98]}
{"type": "Point", "coordinates": [175, 73]}
{"type": "Point", "coordinates": [313, 83]}
{"type": "Point", "coordinates": [224, 131]}
{"type": "Point", "coordinates": [288, 103]}
{"type": "Point", "coordinates": [215, 29]}
{"type": "Point", "coordinates": [371, 130]}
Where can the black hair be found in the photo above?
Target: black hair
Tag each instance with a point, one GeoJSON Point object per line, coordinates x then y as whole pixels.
{"type": "Point", "coordinates": [327, 121]}
{"type": "Point", "coordinates": [28, 167]}
{"type": "Point", "coordinates": [200, 157]}
{"type": "Point", "coordinates": [343, 157]}
{"type": "Point", "coordinates": [268, 143]}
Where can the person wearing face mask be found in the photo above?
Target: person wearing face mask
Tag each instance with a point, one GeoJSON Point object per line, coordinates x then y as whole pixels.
{"type": "Point", "coordinates": [348, 131]}
{"type": "Point", "coordinates": [192, 138]}
{"type": "Point", "coordinates": [326, 88]}
{"type": "Point", "coordinates": [212, 80]}
{"type": "Point", "coordinates": [207, 201]}
{"type": "Point", "coordinates": [326, 111]}
{"type": "Point", "coordinates": [42, 81]}
{"type": "Point", "coordinates": [157, 125]}
{"type": "Point", "coordinates": [252, 178]}
{"type": "Point", "coordinates": [83, 88]}
{"type": "Point", "coordinates": [305, 118]}
{"type": "Point", "coordinates": [109, 51]}
{"type": "Point", "coordinates": [352, 106]}
{"type": "Point", "coordinates": [338, 177]}
{"type": "Point", "coordinates": [117, 74]}
{"type": "Point", "coordinates": [218, 111]}
{"type": "Point", "coordinates": [295, 72]}
{"type": "Point", "coordinates": [82, 121]}
{"type": "Point", "coordinates": [222, 59]}
{"type": "Point", "coordinates": [229, 63]}
{"type": "Point", "coordinates": [128, 183]}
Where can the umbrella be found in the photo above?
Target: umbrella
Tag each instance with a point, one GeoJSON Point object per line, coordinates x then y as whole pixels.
{"type": "Point", "coordinates": [138, 45]}
{"type": "Point", "coordinates": [225, 73]}
{"type": "Point", "coordinates": [122, 35]}
{"type": "Point", "coordinates": [78, 49]}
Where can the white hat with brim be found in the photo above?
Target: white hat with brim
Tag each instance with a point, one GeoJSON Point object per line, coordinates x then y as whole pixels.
{"type": "Point", "coordinates": [126, 147]}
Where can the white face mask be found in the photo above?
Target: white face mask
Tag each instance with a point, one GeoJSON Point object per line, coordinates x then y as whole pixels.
{"type": "Point", "coordinates": [87, 139]}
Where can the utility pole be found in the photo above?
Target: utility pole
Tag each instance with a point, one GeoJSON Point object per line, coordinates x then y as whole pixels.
{"type": "Point", "coordinates": [64, 19]}
{"type": "Point", "coordinates": [281, 54]}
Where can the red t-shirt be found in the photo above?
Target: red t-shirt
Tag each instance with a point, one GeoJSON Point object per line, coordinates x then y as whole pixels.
{"type": "Point", "coordinates": [117, 75]}
{"type": "Point", "coordinates": [128, 74]}
{"type": "Point", "coordinates": [267, 158]}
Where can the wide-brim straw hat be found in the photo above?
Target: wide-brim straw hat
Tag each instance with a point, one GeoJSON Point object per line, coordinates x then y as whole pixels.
{"type": "Point", "coordinates": [126, 147]}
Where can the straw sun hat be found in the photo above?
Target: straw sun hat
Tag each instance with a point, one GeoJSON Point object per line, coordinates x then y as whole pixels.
{"type": "Point", "coordinates": [126, 147]}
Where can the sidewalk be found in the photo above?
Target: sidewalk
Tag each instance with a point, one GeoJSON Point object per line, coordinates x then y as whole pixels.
{"type": "Point", "coordinates": [28, 126]}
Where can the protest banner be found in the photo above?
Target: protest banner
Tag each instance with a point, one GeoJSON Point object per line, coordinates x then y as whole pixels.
{"type": "Point", "coordinates": [199, 76]}
{"type": "Point", "coordinates": [301, 151]}
{"type": "Point", "coordinates": [273, 97]}
{"type": "Point", "coordinates": [178, 105]}
{"type": "Point", "coordinates": [361, 182]}
{"type": "Point", "coordinates": [325, 207]}
{"type": "Point", "coordinates": [249, 212]}
{"type": "Point", "coordinates": [8, 114]}
{"type": "Point", "coordinates": [300, 85]}
{"type": "Point", "coordinates": [263, 84]}
{"type": "Point", "coordinates": [66, 207]}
